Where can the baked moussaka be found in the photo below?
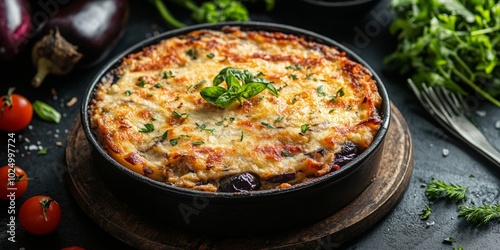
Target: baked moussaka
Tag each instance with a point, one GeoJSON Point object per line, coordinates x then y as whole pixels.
{"type": "Point", "coordinates": [235, 111]}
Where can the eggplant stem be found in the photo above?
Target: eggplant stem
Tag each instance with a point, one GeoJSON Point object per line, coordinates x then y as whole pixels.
{"type": "Point", "coordinates": [53, 55]}
{"type": "Point", "coordinates": [41, 73]}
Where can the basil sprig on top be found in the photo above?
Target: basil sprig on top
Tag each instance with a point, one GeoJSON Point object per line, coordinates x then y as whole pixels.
{"type": "Point", "coordinates": [240, 84]}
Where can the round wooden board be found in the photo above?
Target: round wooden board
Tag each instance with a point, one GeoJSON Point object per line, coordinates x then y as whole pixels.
{"type": "Point", "coordinates": [367, 209]}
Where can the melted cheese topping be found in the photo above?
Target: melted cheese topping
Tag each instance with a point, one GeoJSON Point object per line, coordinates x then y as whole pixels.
{"type": "Point", "coordinates": [154, 121]}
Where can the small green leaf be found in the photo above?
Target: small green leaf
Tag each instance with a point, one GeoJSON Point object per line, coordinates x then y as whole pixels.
{"type": "Point", "coordinates": [304, 128]}
{"type": "Point", "coordinates": [425, 213]}
{"type": "Point", "coordinates": [449, 240]}
{"type": "Point", "coordinates": [148, 128]}
{"type": "Point", "coordinates": [162, 137]}
{"type": "Point", "coordinates": [320, 91]}
{"type": "Point", "coordinates": [210, 55]}
{"type": "Point", "coordinates": [267, 125]}
{"type": "Point", "coordinates": [173, 142]}
{"type": "Point", "coordinates": [46, 112]}
{"type": "Point", "coordinates": [128, 93]}
{"type": "Point", "coordinates": [279, 119]}
{"type": "Point", "coordinates": [196, 143]}
{"type": "Point", "coordinates": [141, 82]}
{"type": "Point", "coordinates": [43, 151]}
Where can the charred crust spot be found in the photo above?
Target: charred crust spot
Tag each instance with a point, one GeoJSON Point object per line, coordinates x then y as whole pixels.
{"type": "Point", "coordinates": [147, 171]}
{"type": "Point", "coordinates": [134, 159]}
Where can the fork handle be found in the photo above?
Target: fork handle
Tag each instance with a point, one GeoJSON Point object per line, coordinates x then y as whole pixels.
{"type": "Point", "coordinates": [483, 147]}
{"type": "Point", "coordinates": [491, 153]}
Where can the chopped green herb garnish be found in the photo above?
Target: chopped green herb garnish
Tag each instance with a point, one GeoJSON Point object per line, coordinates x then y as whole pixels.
{"type": "Point", "coordinates": [293, 76]}
{"type": "Point", "coordinates": [149, 95]}
{"type": "Point", "coordinates": [167, 74]}
{"type": "Point", "coordinates": [259, 74]}
{"type": "Point", "coordinates": [158, 85]}
{"type": "Point", "coordinates": [267, 125]}
{"type": "Point", "coordinates": [153, 118]}
{"type": "Point", "coordinates": [43, 151]}
{"type": "Point", "coordinates": [331, 111]}
{"type": "Point", "coordinates": [278, 119]}
{"type": "Point", "coordinates": [339, 93]}
{"type": "Point", "coordinates": [162, 137]}
{"type": "Point", "coordinates": [198, 143]}
{"type": "Point", "coordinates": [148, 128]}
{"type": "Point", "coordinates": [304, 128]}
{"type": "Point", "coordinates": [128, 93]}
{"type": "Point", "coordinates": [199, 84]}
{"type": "Point", "coordinates": [173, 142]}
{"type": "Point", "coordinates": [184, 136]}
{"type": "Point", "coordinates": [141, 82]}
{"type": "Point", "coordinates": [192, 53]}
{"type": "Point", "coordinates": [232, 119]}
{"type": "Point", "coordinates": [449, 240]}
{"type": "Point", "coordinates": [424, 214]}
{"type": "Point", "coordinates": [320, 91]}
{"type": "Point", "coordinates": [241, 137]}
{"type": "Point", "coordinates": [294, 67]}
{"type": "Point", "coordinates": [308, 76]}
{"type": "Point", "coordinates": [203, 127]}
{"type": "Point", "coordinates": [286, 154]}
{"type": "Point", "coordinates": [210, 55]}
{"type": "Point", "coordinates": [348, 107]}
{"type": "Point", "coordinates": [219, 123]}
{"type": "Point", "coordinates": [180, 114]}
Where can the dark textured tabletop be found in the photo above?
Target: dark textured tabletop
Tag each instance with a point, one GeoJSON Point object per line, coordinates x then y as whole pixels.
{"type": "Point", "coordinates": [362, 30]}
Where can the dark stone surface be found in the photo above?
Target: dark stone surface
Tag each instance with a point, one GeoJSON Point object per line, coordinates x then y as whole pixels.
{"type": "Point", "coordinates": [363, 30]}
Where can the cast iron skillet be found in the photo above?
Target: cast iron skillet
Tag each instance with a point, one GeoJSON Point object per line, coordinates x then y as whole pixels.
{"type": "Point", "coordinates": [223, 214]}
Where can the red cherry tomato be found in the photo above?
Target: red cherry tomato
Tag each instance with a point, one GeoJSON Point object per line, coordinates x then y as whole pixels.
{"type": "Point", "coordinates": [13, 182]}
{"type": "Point", "coordinates": [15, 112]}
{"type": "Point", "coordinates": [40, 215]}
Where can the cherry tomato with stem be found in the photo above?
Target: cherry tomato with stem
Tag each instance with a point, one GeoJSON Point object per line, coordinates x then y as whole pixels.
{"type": "Point", "coordinates": [13, 182]}
{"type": "Point", "coordinates": [15, 112]}
{"type": "Point", "coordinates": [40, 215]}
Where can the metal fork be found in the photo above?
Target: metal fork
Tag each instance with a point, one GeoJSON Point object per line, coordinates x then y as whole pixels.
{"type": "Point", "coordinates": [450, 111]}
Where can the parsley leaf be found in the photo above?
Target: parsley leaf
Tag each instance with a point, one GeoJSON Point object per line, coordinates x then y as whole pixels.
{"type": "Point", "coordinates": [449, 43]}
{"type": "Point", "coordinates": [148, 128]}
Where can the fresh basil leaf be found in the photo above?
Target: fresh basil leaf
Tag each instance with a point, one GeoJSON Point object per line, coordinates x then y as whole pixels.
{"type": "Point", "coordinates": [46, 112]}
{"type": "Point", "coordinates": [272, 89]}
{"type": "Point", "coordinates": [233, 86]}
{"type": "Point", "coordinates": [225, 100]}
{"type": "Point", "coordinates": [212, 93]}
{"type": "Point", "coordinates": [252, 89]}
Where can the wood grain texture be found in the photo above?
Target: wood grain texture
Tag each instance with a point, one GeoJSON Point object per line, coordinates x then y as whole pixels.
{"type": "Point", "coordinates": [124, 223]}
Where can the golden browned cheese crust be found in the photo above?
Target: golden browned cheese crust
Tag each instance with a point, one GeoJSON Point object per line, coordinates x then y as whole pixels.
{"type": "Point", "coordinates": [154, 121]}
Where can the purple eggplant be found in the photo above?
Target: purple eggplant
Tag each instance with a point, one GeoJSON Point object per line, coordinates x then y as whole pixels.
{"type": "Point", "coordinates": [15, 27]}
{"type": "Point", "coordinates": [81, 34]}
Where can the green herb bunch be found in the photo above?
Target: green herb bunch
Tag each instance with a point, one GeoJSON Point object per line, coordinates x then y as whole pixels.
{"type": "Point", "coordinates": [453, 43]}
{"type": "Point", "coordinates": [208, 11]}
{"type": "Point", "coordinates": [240, 84]}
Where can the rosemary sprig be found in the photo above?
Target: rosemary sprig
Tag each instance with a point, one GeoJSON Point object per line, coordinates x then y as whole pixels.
{"type": "Point", "coordinates": [437, 188]}
{"type": "Point", "coordinates": [479, 215]}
